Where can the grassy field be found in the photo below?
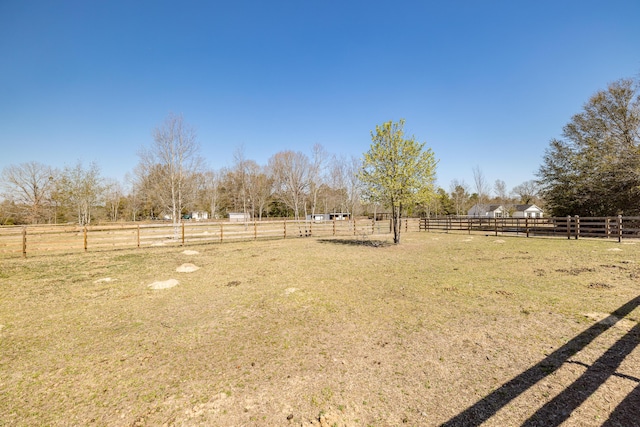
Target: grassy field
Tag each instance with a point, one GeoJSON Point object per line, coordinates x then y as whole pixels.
{"type": "Point", "coordinates": [443, 328]}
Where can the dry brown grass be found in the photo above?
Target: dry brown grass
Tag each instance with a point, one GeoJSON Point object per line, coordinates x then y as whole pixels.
{"type": "Point", "coordinates": [307, 331]}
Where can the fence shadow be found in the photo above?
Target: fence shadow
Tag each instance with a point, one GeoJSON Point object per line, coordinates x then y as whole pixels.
{"type": "Point", "coordinates": [557, 410]}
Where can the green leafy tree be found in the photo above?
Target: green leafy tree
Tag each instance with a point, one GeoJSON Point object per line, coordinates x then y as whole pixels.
{"type": "Point", "coordinates": [397, 171]}
{"type": "Point", "coordinates": [595, 169]}
{"type": "Point", "coordinates": [445, 203]}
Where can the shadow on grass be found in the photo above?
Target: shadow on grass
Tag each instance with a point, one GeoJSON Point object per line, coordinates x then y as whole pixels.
{"type": "Point", "coordinates": [559, 409]}
{"type": "Point", "coordinates": [357, 242]}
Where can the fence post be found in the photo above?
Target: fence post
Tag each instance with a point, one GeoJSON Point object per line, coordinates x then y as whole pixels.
{"type": "Point", "coordinates": [255, 229]}
{"type": "Point", "coordinates": [577, 227]}
{"type": "Point", "coordinates": [182, 232]}
{"type": "Point", "coordinates": [495, 226]}
{"type": "Point", "coordinates": [221, 232]}
{"type": "Point", "coordinates": [24, 242]}
{"type": "Point", "coordinates": [568, 227]}
{"type": "Point", "coordinates": [85, 238]}
{"type": "Point", "coordinates": [334, 225]}
{"type": "Point", "coordinates": [138, 236]}
{"type": "Point", "coordinates": [526, 225]}
{"type": "Point", "coordinates": [607, 227]}
{"type": "Point", "coordinates": [285, 228]}
{"type": "Point", "coordinates": [619, 228]}
{"type": "Point", "coordinates": [354, 225]}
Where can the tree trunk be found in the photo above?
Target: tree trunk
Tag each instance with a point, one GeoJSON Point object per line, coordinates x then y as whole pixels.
{"type": "Point", "coordinates": [396, 214]}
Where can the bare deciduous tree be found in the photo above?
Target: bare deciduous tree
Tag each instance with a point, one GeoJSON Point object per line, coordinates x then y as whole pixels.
{"type": "Point", "coordinates": [481, 187]}
{"type": "Point", "coordinates": [460, 196]}
{"type": "Point", "coordinates": [527, 192]}
{"type": "Point", "coordinates": [210, 191]}
{"type": "Point", "coordinates": [133, 200]}
{"type": "Point", "coordinates": [344, 186]}
{"type": "Point", "coordinates": [113, 199]}
{"type": "Point", "coordinates": [174, 160]}
{"type": "Point", "coordinates": [240, 177]}
{"type": "Point", "coordinates": [318, 166]}
{"type": "Point", "coordinates": [29, 186]}
{"type": "Point", "coordinates": [353, 184]}
{"type": "Point", "coordinates": [81, 189]}
{"type": "Point", "coordinates": [260, 188]}
{"type": "Point", "coordinates": [502, 195]}
{"type": "Point", "coordinates": [8, 215]}
{"type": "Point", "coordinates": [290, 173]}
{"type": "Point", "coordinates": [337, 196]}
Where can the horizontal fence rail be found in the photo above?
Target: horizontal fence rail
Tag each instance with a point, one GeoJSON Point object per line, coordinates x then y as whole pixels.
{"type": "Point", "coordinates": [570, 227]}
{"type": "Point", "coordinates": [39, 239]}
{"type": "Point", "coordinates": [73, 238]}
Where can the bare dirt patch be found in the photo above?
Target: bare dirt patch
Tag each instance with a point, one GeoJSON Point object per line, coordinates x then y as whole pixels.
{"type": "Point", "coordinates": [187, 268]}
{"type": "Point", "coordinates": [163, 284]}
{"type": "Point", "coordinates": [576, 270]}
{"type": "Point", "coordinates": [600, 285]}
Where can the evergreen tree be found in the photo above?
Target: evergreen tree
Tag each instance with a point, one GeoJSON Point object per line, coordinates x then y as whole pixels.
{"type": "Point", "coordinates": [595, 169]}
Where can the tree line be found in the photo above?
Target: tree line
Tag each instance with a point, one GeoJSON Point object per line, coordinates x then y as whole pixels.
{"type": "Point", "coordinates": [171, 180]}
{"type": "Point", "coordinates": [593, 170]}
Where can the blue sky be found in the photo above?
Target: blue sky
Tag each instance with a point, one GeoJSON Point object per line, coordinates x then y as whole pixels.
{"type": "Point", "coordinates": [483, 83]}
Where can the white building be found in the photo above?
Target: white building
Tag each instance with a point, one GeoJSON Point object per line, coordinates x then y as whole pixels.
{"type": "Point", "coordinates": [487, 211]}
{"type": "Point", "coordinates": [199, 215]}
{"type": "Point", "coordinates": [337, 216]}
{"type": "Point", "coordinates": [527, 211]}
{"type": "Point", "coordinates": [239, 216]}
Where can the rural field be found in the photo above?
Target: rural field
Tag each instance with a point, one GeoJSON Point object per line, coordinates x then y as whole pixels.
{"type": "Point", "coordinates": [443, 329]}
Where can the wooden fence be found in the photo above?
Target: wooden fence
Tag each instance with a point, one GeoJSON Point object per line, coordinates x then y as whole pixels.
{"type": "Point", "coordinates": [38, 239]}
{"type": "Point", "coordinates": [72, 238]}
{"type": "Point", "coordinates": [570, 227]}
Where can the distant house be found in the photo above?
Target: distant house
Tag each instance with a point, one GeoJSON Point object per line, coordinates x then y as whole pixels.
{"type": "Point", "coordinates": [239, 216]}
{"type": "Point", "coordinates": [199, 215]}
{"type": "Point", "coordinates": [337, 216]}
{"type": "Point", "coordinates": [487, 211]}
{"type": "Point", "coordinates": [527, 211]}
